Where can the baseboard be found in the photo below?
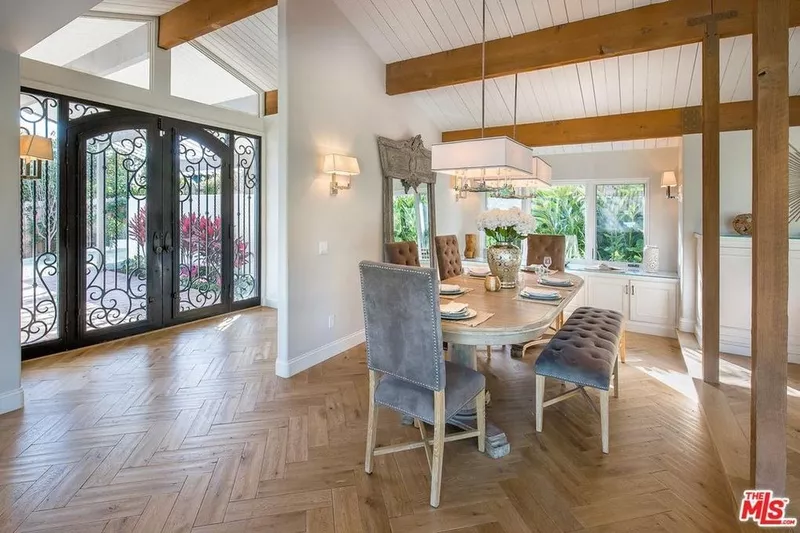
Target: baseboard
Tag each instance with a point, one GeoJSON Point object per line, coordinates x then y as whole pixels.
{"type": "Point", "coordinates": [287, 369]}
{"type": "Point", "coordinates": [651, 329]}
{"type": "Point", "coordinates": [11, 400]}
{"type": "Point", "coordinates": [686, 325]}
{"type": "Point", "coordinates": [736, 341]}
{"type": "Point", "coordinates": [269, 302]}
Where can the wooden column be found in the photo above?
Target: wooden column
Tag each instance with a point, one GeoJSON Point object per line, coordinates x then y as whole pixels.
{"type": "Point", "coordinates": [711, 201]}
{"type": "Point", "coordinates": [770, 246]}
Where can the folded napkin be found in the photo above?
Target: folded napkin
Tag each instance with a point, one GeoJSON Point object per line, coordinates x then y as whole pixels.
{"type": "Point", "coordinates": [556, 282]}
{"type": "Point", "coordinates": [444, 287]}
{"type": "Point", "coordinates": [479, 271]}
{"type": "Point", "coordinates": [539, 293]}
{"type": "Point", "coordinates": [453, 308]}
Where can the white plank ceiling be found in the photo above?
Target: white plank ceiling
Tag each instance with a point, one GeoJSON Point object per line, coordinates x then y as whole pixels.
{"type": "Point", "coordinates": [249, 46]}
{"type": "Point", "coordinates": [663, 79]}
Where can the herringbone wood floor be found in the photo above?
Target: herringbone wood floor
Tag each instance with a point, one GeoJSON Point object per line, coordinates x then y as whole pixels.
{"type": "Point", "coordinates": [189, 430]}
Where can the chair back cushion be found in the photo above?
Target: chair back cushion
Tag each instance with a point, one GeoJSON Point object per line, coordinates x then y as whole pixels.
{"type": "Point", "coordinates": [541, 246]}
{"type": "Point", "coordinates": [447, 256]}
{"type": "Point", "coordinates": [402, 253]}
{"type": "Point", "coordinates": [402, 323]}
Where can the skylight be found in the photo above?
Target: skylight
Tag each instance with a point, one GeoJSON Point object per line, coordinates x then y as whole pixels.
{"type": "Point", "coordinates": [111, 48]}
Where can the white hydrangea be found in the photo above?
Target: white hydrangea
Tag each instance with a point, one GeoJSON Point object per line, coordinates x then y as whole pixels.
{"type": "Point", "coordinates": [506, 225]}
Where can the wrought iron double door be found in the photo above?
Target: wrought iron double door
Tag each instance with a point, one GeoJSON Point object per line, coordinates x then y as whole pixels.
{"type": "Point", "coordinates": [154, 243]}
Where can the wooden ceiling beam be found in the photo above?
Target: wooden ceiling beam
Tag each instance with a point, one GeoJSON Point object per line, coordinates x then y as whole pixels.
{"type": "Point", "coordinates": [198, 17]}
{"type": "Point", "coordinates": [627, 127]}
{"type": "Point", "coordinates": [643, 29]}
{"type": "Point", "coordinates": [271, 102]}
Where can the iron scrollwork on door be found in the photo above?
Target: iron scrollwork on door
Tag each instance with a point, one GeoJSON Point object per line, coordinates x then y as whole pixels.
{"type": "Point", "coordinates": [116, 229]}
{"type": "Point", "coordinates": [40, 219]}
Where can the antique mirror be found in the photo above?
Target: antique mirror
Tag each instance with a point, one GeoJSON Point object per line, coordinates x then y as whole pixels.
{"type": "Point", "coordinates": [409, 207]}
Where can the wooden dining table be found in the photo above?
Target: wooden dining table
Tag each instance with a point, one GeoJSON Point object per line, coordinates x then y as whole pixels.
{"type": "Point", "coordinates": [513, 321]}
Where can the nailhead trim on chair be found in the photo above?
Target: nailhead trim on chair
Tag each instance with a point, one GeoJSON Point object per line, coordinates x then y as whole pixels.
{"type": "Point", "coordinates": [436, 340]}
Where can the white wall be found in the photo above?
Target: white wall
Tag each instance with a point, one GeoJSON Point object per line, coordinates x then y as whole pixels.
{"type": "Point", "coordinates": [10, 266]}
{"type": "Point", "coordinates": [736, 193]}
{"type": "Point", "coordinates": [331, 99]}
{"type": "Point", "coordinates": [662, 220]}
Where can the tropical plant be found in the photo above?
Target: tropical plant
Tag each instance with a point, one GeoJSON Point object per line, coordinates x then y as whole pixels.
{"type": "Point", "coordinates": [562, 211]}
{"type": "Point", "coordinates": [620, 222]}
{"type": "Point", "coordinates": [405, 218]}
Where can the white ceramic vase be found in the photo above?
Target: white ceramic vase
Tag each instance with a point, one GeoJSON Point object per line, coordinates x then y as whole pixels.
{"type": "Point", "coordinates": [650, 259]}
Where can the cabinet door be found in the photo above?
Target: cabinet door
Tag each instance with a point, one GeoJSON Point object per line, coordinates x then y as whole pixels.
{"type": "Point", "coordinates": [579, 300]}
{"type": "Point", "coordinates": [653, 302]}
{"type": "Point", "coordinates": [607, 292]}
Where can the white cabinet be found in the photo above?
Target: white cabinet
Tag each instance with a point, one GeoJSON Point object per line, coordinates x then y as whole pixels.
{"type": "Point", "coordinates": [579, 300]}
{"type": "Point", "coordinates": [609, 292]}
{"type": "Point", "coordinates": [649, 304]}
{"type": "Point", "coordinates": [653, 302]}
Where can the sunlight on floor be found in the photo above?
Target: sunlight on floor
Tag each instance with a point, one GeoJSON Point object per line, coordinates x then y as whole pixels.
{"type": "Point", "coordinates": [227, 322]}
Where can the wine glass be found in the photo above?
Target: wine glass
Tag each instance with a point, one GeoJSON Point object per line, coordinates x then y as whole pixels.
{"type": "Point", "coordinates": [547, 262]}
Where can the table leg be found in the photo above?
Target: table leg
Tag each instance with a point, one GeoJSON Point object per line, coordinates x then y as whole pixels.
{"type": "Point", "coordinates": [497, 445]}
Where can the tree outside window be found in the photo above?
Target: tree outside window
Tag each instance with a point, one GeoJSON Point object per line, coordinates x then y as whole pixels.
{"type": "Point", "coordinates": [561, 210]}
{"type": "Point", "coordinates": [620, 222]}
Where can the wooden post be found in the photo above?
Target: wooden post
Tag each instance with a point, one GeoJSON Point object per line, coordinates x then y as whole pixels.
{"type": "Point", "coordinates": [711, 202]}
{"type": "Point", "coordinates": [770, 246]}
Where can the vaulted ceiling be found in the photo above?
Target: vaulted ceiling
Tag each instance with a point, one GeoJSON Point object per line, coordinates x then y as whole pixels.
{"type": "Point", "coordinates": [249, 46]}
{"type": "Point", "coordinates": [661, 79]}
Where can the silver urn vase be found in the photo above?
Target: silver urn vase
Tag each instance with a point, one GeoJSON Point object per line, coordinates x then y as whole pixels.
{"type": "Point", "coordinates": [504, 262]}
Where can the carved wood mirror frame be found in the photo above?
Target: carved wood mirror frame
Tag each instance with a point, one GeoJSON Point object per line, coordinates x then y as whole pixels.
{"type": "Point", "coordinates": [410, 162]}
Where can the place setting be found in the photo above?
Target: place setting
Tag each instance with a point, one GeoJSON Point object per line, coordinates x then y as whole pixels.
{"type": "Point", "coordinates": [461, 312]}
{"type": "Point", "coordinates": [533, 294]}
{"type": "Point", "coordinates": [452, 291]}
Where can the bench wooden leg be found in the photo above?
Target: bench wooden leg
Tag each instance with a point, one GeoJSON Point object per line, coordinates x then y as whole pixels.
{"type": "Point", "coordinates": [539, 402]}
{"type": "Point", "coordinates": [616, 378]}
{"type": "Point", "coordinates": [604, 419]}
{"type": "Point", "coordinates": [622, 346]}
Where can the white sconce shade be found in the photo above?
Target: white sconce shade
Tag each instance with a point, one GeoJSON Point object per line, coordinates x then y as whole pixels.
{"type": "Point", "coordinates": [668, 179]}
{"type": "Point", "coordinates": [33, 149]}
{"type": "Point", "coordinates": [342, 165]}
{"type": "Point", "coordinates": [490, 158]}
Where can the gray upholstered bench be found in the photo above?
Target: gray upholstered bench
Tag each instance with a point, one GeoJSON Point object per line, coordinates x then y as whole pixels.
{"type": "Point", "coordinates": [586, 352]}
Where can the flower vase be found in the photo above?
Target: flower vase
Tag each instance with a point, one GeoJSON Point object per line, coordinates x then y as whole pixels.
{"type": "Point", "coordinates": [504, 262]}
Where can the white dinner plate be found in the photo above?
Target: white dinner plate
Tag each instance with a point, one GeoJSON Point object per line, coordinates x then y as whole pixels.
{"type": "Point", "coordinates": [471, 313]}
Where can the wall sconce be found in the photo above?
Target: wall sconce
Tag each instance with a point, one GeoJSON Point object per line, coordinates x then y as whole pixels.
{"type": "Point", "coordinates": [33, 149]}
{"type": "Point", "coordinates": [343, 166]}
{"type": "Point", "coordinates": [668, 181]}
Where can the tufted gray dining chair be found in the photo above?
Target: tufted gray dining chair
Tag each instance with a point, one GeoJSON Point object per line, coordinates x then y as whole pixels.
{"type": "Point", "coordinates": [407, 370]}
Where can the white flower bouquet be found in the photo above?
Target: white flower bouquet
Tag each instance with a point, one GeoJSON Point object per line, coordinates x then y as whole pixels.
{"type": "Point", "coordinates": [506, 225]}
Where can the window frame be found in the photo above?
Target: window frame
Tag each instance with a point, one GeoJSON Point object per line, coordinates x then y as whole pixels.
{"type": "Point", "coordinates": [590, 214]}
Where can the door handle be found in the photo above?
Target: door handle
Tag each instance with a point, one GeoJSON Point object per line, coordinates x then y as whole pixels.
{"type": "Point", "coordinates": [626, 289]}
{"type": "Point", "coordinates": [633, 290]}
{"type": "Point", "coordinates": [168, 242]}
{"type": "Point", "coordinates": [157, 248]}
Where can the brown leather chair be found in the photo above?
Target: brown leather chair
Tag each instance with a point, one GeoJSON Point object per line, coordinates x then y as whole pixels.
{"type": "Point", "coordinates": [448, 256]}
{"type": "Point", "coordinates": [541, 246]}
{"type": "Point", "coordinates": [404, 253]}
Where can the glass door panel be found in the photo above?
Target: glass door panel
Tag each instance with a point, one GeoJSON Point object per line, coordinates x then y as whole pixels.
{"type": "Point", "coordinates": [245, 221]}
{"type": "Point", "coordinates": [116, 239]}
{"type": "Point", "coordinates": [40, 218]}
{"type": "Point", "coordinates": [200, 226]}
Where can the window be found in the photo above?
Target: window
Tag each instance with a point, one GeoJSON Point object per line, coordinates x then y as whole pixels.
{"type": "Point", "coordinates": [602, 221]}
{"type": "Point", "coordinates": [561, 210]}
{"type": "Point", "coordinates": [197, 77]}
{"type": "Point", "coordinates": [620, 222]}
{"type": "Point", "coordinates": [113, 48]}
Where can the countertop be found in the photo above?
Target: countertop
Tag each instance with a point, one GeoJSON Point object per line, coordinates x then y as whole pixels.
{"type": "Point", "coordinates": [587, 269]}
